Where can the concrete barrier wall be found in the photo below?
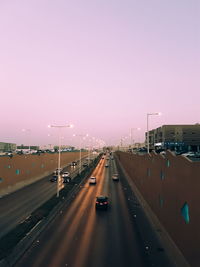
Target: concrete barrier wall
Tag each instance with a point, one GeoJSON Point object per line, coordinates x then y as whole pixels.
{"type": "Point", "coordinates": [168, 183]}
{"type": "Point", "coordinates": [21, 170]}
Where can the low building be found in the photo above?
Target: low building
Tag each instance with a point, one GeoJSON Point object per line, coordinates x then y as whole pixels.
{"type": "Point", "coordinates": [5, 147]}
{"type": "Point", "coordinates": [175, 137]}
{"type": "Point", "coordinates": [23, 147]}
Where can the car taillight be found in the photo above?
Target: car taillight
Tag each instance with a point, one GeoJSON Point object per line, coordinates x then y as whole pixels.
{"type": "Point", "coordinates": [97, 202]}
{"type": "Point", "coordinates": [105, 202]}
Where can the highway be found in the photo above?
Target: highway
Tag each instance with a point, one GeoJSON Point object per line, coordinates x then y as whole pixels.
{"type": "Point", "coordinates": [81, 236]}
{"type": "Point", "coordinates": [17, 206]}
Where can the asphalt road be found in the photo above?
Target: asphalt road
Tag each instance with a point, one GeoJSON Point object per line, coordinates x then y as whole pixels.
{"type": "Point", "coordinates": [81, 236]}
{"type": "Point", "coordinates": [17, 206]}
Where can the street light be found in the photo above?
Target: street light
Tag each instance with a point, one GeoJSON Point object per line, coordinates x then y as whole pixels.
{"type": "Point", "coordinates": [84, 136]}
{"type": "Point", "coordinates": [29, 131]}
{"type": "Point", "coordinates": [59, 140]}
{"type": "Point", "coordinates": [131, 134]}
{"type": "Point", "coordinates": [150, 114]}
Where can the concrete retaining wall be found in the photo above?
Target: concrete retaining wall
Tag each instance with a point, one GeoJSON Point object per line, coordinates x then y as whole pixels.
{"type": "Point", "coordinates": [167, 183]}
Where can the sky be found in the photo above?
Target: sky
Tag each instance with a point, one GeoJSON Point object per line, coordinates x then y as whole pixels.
{"type": "Point", "coordinates": [101, 65]}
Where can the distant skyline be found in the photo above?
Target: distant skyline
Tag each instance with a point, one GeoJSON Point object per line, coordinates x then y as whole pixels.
{"type": "Point", "coordinates": [100, 65]}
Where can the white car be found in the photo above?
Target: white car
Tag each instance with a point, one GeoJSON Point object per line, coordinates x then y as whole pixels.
{"type": "Point", "coordinates": [189, 154]}
{"type": "Point", "coordinates": [115, 177]}
{"type": "Point", "coordinates": [56, 171]}
{"type": "Point", "coordinates": [65, 174]}
{"type": "Point", "coordinates": [92, 180]}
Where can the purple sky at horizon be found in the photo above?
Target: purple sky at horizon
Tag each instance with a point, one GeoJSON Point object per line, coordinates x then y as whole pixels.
{"type": "Point", "coordinates": [101, 65]}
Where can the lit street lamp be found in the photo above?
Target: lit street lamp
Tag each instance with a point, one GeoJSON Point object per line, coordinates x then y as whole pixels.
{"type": "Point", "coordinates": [150, 114]}
{"type": "Point", "coordinates": [131, 135]}
{"type": "Point", "coordinates": [80, 136]}
{"type": "Point", "coordinates": [59, 127]}
{"type": "Point", "coordinates": [28, 131]}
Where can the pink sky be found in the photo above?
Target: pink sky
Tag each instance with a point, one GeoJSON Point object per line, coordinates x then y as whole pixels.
{"type": "Point", "coordinates": [101, 65]}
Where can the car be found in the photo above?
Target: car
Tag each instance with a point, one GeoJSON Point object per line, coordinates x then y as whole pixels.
{"type": "Point", "coordinates": [189, 154]}
{"type": "Point", "coordinates": [115, 177]}
{"type": "Point", "coordinates": [65, 174]}
{"type": "Point", "coordinates": [54, 178]}
{"type": "Point", "coordinates": [163, 153]}
{"type": "Point", "coordinates": [74, 163]}
{"type": "Point", "coordinates": [101, 202]}
{"type": "Point", "coordinates": [56, 171]}
{"type": "Point", "coordinates": [107, 165]}
{"type": "Point", "coordinates": [92, 180]}
{"type": "Point", "coordinates": [85, 164]}
{"type": "Point", "coordinates": [66, 180]}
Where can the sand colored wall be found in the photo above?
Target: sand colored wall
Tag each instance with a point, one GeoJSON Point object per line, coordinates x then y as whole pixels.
{"type": "Point", "coordinates": [166, 183]}
{"type": "Point", "coordinates": [24, 169]}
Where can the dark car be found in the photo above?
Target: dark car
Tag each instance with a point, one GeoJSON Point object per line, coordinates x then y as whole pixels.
{"type": "Point", "coordinates": [85, 164]}
{"type": "Point", "coordinates": [67, 180]}
{"type": "Point", "coordinates": [54, 178]}
{"type": "Point", "coordinates": [115, 177]}
{"type": "Point", "coordinates": [74, 163]}
{"type": "Point", "coordinates": [56, 171]}
{"type": "Point", "coordinates": [101, 202]}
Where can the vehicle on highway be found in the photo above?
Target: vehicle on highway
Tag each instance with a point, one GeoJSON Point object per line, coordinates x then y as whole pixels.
{"type": "Point", "coordinates": [115, 177]}
{"type": "Point", "coordinates": [67, 180]}
{"type": "Point", "coordinates": [56, 171]}
{"type": "Point", "coordinates": [92, 180]}
{"type": "Point", "coordinates": [85, 164]}
{"type": "Point", "coordinates": [101, 202]}
{"type": "Point", "coordinates": [107, 165]}
{"type": "Point", "coordinates": [189, 154]}
{"type": "Point", "coordinates": [19, 152]}
{"type": "Point", "coordinates": [65, 174]}
{"type": "Point", "coordinates": [74, 163]}
{"type": "Point", "coordinates": [54, 178]}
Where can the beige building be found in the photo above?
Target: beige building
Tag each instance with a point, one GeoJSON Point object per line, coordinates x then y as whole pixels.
{"type": "Point", "coordinates": [176, 137]}
{"type": "Point", "coordinates": [5, 147]}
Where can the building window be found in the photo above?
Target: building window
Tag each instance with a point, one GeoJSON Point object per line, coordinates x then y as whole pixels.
{"type": "Point", "coordinates": [17, 171]}
{"type": "Point", "coordinates": [185, 213]}
{"type": "Point", "coordinates": [1, 180]}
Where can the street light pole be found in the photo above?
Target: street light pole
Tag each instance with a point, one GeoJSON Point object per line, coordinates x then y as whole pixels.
{"type": "Point", "coordinates": [29, 131]}
{"type": "Point", "coordinates": [80, 136]}
{"type": "Point", "coordinates": [59, 145]}
{"type": "Point", "coordinates": [150, 114]}
{"type": "Point", "coordinates": [131, 136]}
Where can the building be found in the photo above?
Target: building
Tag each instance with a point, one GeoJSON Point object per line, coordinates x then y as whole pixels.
{"type": "Point", "coordinates": [23, 147]}
{"type": "Point", "coordinates": [175, 137]}
{"type": "Point", "coordinates": [5, 147]}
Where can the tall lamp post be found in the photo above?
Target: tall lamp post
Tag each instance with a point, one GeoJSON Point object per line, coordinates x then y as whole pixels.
{"type": "Point", "coordinates": [131, 135]}
{"type": "Point", "coordinates": [80, 136]}
{"type": "Point", "coordinates": [150, 114]}
{"type": "Point", "coordinates": [29, 131]}
{"type": "Point", "coordinates": [59, 140]}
